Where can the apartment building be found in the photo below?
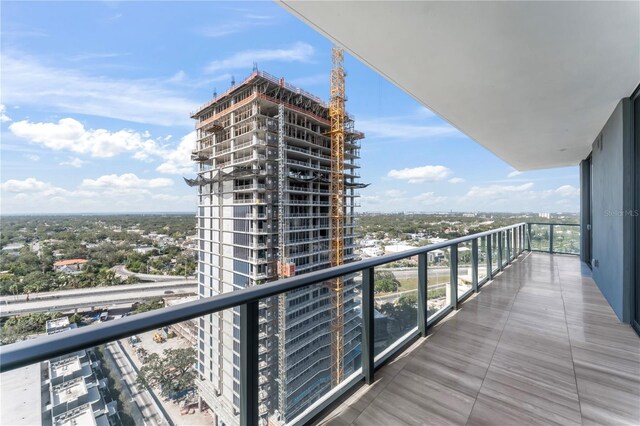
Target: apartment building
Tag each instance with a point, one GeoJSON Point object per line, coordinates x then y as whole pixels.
{"type": "Point", "coordinates": [264, 165]}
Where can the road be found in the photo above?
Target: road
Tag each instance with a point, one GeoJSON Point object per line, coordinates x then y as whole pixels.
{"type": "Point", "coordinates": [121, 271]}
{"type": "Point", "coordinates": [401, 273]}
{"type": "Point", "coordinates": [68, 300]}
{"type": "Point", "coordinates": [393, 297]}
{"type": "Point", "coordinates": [147, 411]}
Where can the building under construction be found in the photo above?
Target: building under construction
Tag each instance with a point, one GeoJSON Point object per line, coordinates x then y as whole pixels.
{"type": "Point", "coordinates": [272, 189]}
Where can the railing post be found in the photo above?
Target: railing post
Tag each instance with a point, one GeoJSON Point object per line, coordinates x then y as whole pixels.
{"type": "Point", "coordinates": [422, 294]}
{"type": "Point", "coordinates": [529, 236]}
{"type": "Point", "coordinates": [521, 245]}
{"type": "Point", "coordinates": [551, 238]}
{"type": "Point", "coordinates": [507, 235]}
{"type": "Point", "coordinates": [489, 257]}
{"type": "Point", "coordinates": [474, 265]}
{"type": "Point", "coordinates": [368, 279]}
{"type": "Point", "coordinates": [500, 268]}
{"type": "Point", "coordinates": [453, 275]}
{"type": "Point", "coordinates": [249, 330]}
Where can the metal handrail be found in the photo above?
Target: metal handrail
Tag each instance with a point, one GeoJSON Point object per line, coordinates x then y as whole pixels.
{"type": "Point", "coordinates": [27, 352]}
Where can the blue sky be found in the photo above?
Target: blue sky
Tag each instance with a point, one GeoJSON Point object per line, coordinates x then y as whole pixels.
{"type": "Point", "coordinates": [96, 99]}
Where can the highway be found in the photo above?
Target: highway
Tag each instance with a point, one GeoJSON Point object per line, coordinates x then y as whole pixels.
{"type": "Point", "coordinates": [70, 300]}
{"type": "Point", "coordinates": [122, 272]}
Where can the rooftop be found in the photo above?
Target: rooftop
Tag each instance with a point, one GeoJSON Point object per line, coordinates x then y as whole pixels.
{"type": "Point", "coordinates": [65, 367]}
{"type": "Point", "coordinates": [57, 324]}
{"type": "Point", "coordinates": [538, 345]}
{"type": "Point", "coordinates": [70, 262]}
{"type": "Point", "coordinates": [69, 391]}
{"type": "Point", "coordinates": [82, 415]}
{"type": "Point", "coordinates": [24, 406]}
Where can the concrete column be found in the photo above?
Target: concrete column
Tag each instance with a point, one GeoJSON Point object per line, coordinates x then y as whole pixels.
{"type": "Point", "coordinates": [585, 210]}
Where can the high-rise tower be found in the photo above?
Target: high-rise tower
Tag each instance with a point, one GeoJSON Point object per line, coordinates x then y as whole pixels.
{"type": "Point", "coordinates": [264, 200]}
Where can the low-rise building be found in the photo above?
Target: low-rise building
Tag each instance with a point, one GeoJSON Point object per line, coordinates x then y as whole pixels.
{"type": "Point", "coordinates": [144, 249]}
{"type": "Point", "coordinates": [62, 391]}
{"type": "Point", "coordinates": [70, 266]}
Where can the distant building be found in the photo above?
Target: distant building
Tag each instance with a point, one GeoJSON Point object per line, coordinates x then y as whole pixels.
{"type": "Point", "coordinates": [13, 248]}
{"type": "Point", "coordinates": [59, 324]}
{"type": "Point", "coordinates": [144, 249]}
{"type": "Point", "coordinates": [63, 391]}
{"type": "Point", "coordinates": [75, 394]}
{"type": "Point", "coordinates": [397, 248]}
{"type": "Point", "coordinates": [435, 256]}
{"type": "Point", "coordinates": [70, 266]}
{"type": "Point", "coordinates": [372, 251]}
{"type": "Point", "coordinates": [544, 215]}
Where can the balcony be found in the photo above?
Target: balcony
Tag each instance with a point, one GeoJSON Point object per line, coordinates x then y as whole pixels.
{"type": "Point", "coordinates": [537, 345]}
{"type": "Point", "coordinates": [531, 341]}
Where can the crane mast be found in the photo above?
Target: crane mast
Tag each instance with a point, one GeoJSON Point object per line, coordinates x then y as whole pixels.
{"type": "Point", "coordinates": [337, 189]}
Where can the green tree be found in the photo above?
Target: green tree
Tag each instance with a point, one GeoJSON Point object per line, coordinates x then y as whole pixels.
{"type": "Point", "coordinates": [385, 282]}
{"type": "Point", "coordinates": [172, 372]}
{"type": "Point", "coordinates": [149, 305]}
{"type": "Point", "coordinates": [20, 327]}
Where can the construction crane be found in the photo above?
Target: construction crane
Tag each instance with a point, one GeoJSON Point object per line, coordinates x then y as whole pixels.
{"type": "Point", "coordinates": [337, 185]}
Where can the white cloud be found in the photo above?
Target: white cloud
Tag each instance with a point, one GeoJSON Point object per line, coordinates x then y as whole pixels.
{"type": "Point", "coordinates": [370, 199]}
{"type": "Point", "coordinates": [394, 129]}
{"type": "Point", "coordinates": [568, 191]}
{"type": "Point", "coordinates": [424, 112]}
{"type": "Point", "coordinates": [125, 181]}
{"type": "Point", "coordinates": [456, 180]}
{"type": "Point", "coordinates": [429, 198]}
{"type": "Point", "coordinates": [394, 193]}
{"type": "Point", "coordinates": [71, 135]}
{"type": "Point", "coordinates": [95, 55]}
{"type": "Point", "coordinates": [178, 161]}
{"type": "Point", "coordinates": [3, 117]}
{"type": "Point", "coordinates": [514, 173]}
{"type": "Point", "coordinates": [299, 52]}
{"type": "Point", "coordinates": [24, 186]}
{"type": "Point", "coordinates": [73, 162]}
{"type": "Point", "coordinates": [110, 193]}
{"type": "Point", "coordinates": [27, 81]}
{"type": "Point", "coordinates": [421, 174]}
{"type": "Point", "coordinates": [32, 157]}
{"type": "Point", "coordinates": [497, 191]}
{"type": "Point", "coordinates": [247, 22]}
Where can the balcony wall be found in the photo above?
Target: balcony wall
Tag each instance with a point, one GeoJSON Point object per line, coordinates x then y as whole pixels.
{"type": "Point", "coordinates": [611, 210]}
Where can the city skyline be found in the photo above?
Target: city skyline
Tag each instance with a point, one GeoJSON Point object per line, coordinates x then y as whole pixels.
{"type": "Point", "coordinates": [96, 121]}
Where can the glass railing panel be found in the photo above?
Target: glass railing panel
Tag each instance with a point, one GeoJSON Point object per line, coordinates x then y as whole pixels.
{"type": "Point", "coordinates": [123, 382]}
{"type": "Point", "coordinates": [80, 388]}
{"type": "Point", "coordinates": [505, 249]}
{"type": "Point", "coordinates": [300, 357]}
{"type": "Point", "coordinates": [566, 239]}
{"type": "Point", "coordinates": [482, 259]}
{"type": "Point", "coordinates": [438, 278]}
{"type": "Point", "coordinates": [395, 303]}
{"type": "Point", "coordinates": [494, 252]}
{"type": "Point", "coordinates": [465, 273]}
{"type": "Point", "coordinates": [539, 237]}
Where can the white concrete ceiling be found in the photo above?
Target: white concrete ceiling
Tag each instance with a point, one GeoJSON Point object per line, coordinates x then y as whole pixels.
{"type": "Point", "coordinates": [533, 82]}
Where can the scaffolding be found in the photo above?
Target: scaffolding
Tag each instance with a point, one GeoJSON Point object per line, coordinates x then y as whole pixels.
{"type": "Point", "coordinates": [265, 177]}
{"type": "Point", "coordinates": [337, 185]}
